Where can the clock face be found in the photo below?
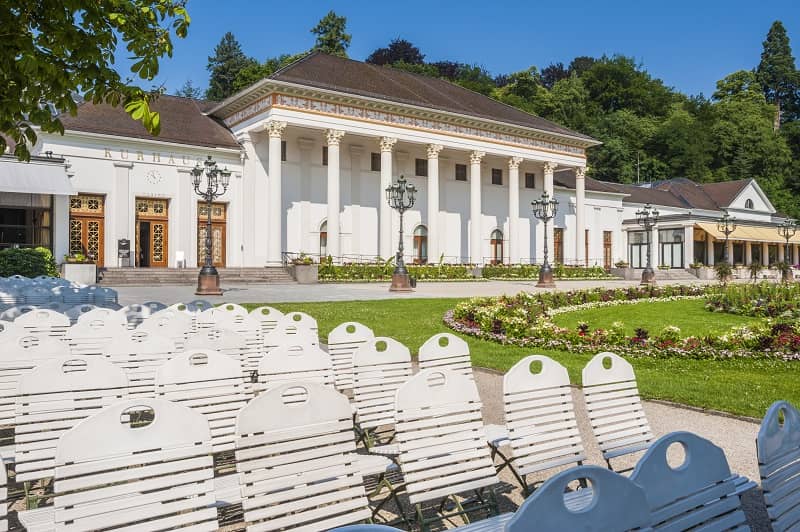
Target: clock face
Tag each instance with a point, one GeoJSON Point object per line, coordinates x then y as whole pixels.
{"type": "Point", "coordinates": [154, 177]}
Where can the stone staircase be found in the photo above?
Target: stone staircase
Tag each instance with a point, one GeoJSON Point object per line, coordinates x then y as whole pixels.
{"type": "Point", "coordinates": [677, 274]}
{"type": "Point", "coordinates": [188, 276]}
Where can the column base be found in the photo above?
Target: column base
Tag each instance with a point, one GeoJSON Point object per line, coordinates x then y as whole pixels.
{"type": "Point", "coordinates": [208, 284]}
{"type": "Point", "coordinates": [648, 277]}
{"type": "Point", "coordinates": [401, 282]}
{"type": "Point", "coordinates": [546, 279]}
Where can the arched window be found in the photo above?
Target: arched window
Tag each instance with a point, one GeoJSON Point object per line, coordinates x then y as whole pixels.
{"type": "Point", "coordinates": [748, 204]}
{"type": "Point", "coordinates": [323, 239]}
{"type": "Point", "coordinates": [496, 244]}
{"type": "Point", "coordinates": [421, 245]}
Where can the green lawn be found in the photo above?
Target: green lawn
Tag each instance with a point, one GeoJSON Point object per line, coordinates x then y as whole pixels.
{"type": "Point", "coordinates": [689, 315]}
{"type": "Point", "coordinates": [744, 387]}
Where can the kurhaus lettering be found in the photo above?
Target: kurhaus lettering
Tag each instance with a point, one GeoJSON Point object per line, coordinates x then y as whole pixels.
{"type": "Point", "coordinates": [171, 158]}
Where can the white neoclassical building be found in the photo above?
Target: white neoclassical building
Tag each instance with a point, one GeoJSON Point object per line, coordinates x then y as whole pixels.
{"type": "Point", "coordinates": [312, 149]}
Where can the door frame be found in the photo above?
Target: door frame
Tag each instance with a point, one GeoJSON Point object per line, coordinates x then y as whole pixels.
{"type": "Point", "coordinates": [155, 211]}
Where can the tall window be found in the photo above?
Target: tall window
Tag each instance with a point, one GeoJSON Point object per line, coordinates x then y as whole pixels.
{"type": "Point", "coordinates": [375, 162]}
{"type": "Point", "coordinates": [461, 172]}
{"type": "Point", "coordinates": [497, 176]}
{"type": "Point", "coordinates": [324, 156]}
{"type": "Point", "coordinates": [283, 150]}
{"type": "Point", "coordinates": [558, 245]}
{"type": "Point", "coordinates": [748, 204]}
{"type": "Point", "coordinates": [421, 167]}
{"type": "Point", "coordinates": [496, 244]}
{"type": "Point", "coordinates": [530, 180]}
{"type": "Point", "coordinates": [323, 239]}
{"type": "Point", "coordinates": [420, 245]}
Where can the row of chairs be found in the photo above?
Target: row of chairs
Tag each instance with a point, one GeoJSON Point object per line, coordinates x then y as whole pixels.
{"type": "Point", "coordinates": [68, 295]}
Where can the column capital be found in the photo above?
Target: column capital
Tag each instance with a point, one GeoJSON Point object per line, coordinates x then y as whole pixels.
{"type": "Point", "coordinates": [580, 172]}
{"type": "Point", "coordinates": [549, 167]}
{"type": "Point", "coordinates": [387, 143]}
{"type": "Point", "coordinates": [433, 150]}
{"type": "Point", "coordinates": [333, 136]}
{"type": "Point", "coordinates": [514, 162]}
{"type": "Point", "coordinates": [275, 128]}
{"type": "Point", "coordinates": [476, 156]}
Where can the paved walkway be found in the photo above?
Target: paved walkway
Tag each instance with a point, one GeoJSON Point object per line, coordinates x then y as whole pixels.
{"type": "Point", "coordinates": [290, 293]}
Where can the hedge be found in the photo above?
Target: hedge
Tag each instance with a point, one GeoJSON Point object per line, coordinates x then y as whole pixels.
{"type": "Point", "coordinates": [531, 271]}
{"type": "Point", "coordinates": [383, 272]}
{"type": "Point", "coordinates": [29, 262]}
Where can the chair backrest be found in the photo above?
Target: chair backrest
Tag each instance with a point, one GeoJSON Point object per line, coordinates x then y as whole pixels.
{"type": "Point", "coordinates": [342, 342]}
{"type": "Point", "coordinates": [12, 313]}
{"type": "Point", "coordinates": [235, 318]}
{"type": "Point", "coordinates": [135, 314]}
{"type": "Point", "coordinates": [700, 491]}
{"type": "Point", "coordinates": [140, 353]}
{"type": "Point", "coordinates": [540, 416]}
{"type": "Point", "coordinates": [283, 334]}
{"type": "Point", "coordinates": [380, 367]}
{"type": "Point", "coordinates": [10, 296]}
{"type": "Point", "coordinates": [192, 307]}
{"type": "Point", "coordinates": [295, 363]}
{"type": "Point", "coordinates": [44, 322]}
{"type": "Point", "coordinates": [224, 341]}
{"type": "Point", "coordinates": [77, 310]}
{"type": "Point", "coordinates": [38, 295]}
{"type": "Point", "coordinates": [439, 430]}
{"type": "Point", "coordinates": [778, 446]}
{"type": "Point", "coordinates": [105, 316]}
{"type": "Point", "coordinates": [169, 323]}
{"type": "Point", "coordinates": [74, 295]}
{"type": "Point", "coordinates": [3, 496]}
{"type": "Point", "coordinates": [210, 383]}
{"type": "Point", "coordinates": [614, 503]}
{"type": "Point", "coordinates": [144, 463]}
{"type": "Point", "coordinates": [296, 460]}
{"type": "Point", "coordinates": [447, 351]}
{"type": "Point", "coordinates": [268, 317]}
{"type": "Point", "coordinates": [18, 357]}
{"type": "Point", "coordinates": [53, 398]}
{"type": "Point", "coordinates": [103, 295]}
{"type": "Point", "coordinates": [94, 331]}
{"type": "Point", "coordinates": [300, 319]}
{"type": "Point", "coordinates": [615, 410]}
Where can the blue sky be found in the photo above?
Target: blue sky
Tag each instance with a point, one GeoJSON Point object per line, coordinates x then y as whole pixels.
{"type": "Point", "coordinates": [688, 44]}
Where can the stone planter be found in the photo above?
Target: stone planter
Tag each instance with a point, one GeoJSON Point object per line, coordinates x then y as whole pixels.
{"type": "Point", "coordinates": [306, 273]}
{"type": "Point", "coordinates": [79, 272]}
{"type": "Point", "coordinates": [628, 274]}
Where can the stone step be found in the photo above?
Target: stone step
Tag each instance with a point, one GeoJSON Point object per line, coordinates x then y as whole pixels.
{"type": "Point", "coordinates": [147, 276]}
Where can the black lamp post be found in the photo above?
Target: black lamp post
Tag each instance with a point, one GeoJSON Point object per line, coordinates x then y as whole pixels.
{"type": "Point", "coordinates": [401, 197]}
{"type": "Point", "coordinates": [787, 230]}
{"type": "Point", "coordinates": [216, 183]}
{"type": "Point", "coordinates": [647, 217]}
{"type": "Point", "coordinates": [545, 209]}
{"type": "Point", "coordinates": [726, 225]}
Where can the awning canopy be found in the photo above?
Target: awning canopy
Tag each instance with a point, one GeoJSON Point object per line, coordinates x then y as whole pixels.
{"type": "Point", "coordinates": [34, 178]}
{"type": "Point", "coordinates": [749, 233]}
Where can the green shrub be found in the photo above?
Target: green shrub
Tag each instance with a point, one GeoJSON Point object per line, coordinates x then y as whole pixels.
{"type": "Point", "coordinates": [29, 262]}
{"type": "Point", "coordinates": [759, 300]}
{"type": "Point", "coordinates": [531, 271]}
{"type": "Point", "coordinates": [382, 271]}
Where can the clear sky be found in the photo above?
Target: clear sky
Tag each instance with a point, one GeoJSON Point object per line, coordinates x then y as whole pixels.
{"type": "Point", "coordinates": [688, 44]}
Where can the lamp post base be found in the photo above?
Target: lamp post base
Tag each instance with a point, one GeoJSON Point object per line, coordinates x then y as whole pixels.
{"type": "Point", "coordinates": [401, 282]}
{"type": "Point", "coordinates": [208, 284]}
{"type": "Point", "coordinates": [648, 277]}
{"type": "Point", "coordinates": [546, 278]}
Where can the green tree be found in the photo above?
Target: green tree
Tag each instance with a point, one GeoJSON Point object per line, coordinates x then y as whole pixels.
{"type": "Point", "coordinates": [617, 83]}
{"type": "Point", "coordinates": [188, 90]}
{"type": "Point", "coordinates": [54, 50]}
{"type": "Point", "coordinates": [777, 72]}
{"type": "Point", "coordinates": [225, 65]}
{"type": "Point", "coordinates": [332, 37]}
{"type": "Point", "coordinates": [256, 71]}
{"type": "Point", "coordinates": [399, 50]}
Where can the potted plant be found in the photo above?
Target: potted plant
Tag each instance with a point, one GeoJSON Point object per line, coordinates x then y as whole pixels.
{"type": "Point", "coordinates": [724, 271]}
{"type": "Point", "coordinates": [79, 268]}
{"type": "Point", "coordinates": [622, 269]}
{"type": "Point", "coordinates": [304, 269]}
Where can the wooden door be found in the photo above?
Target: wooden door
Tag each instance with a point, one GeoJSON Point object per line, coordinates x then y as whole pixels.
{"type": "Point", "coordinates": [86, 227]}
{"type": "Point", "coordinates": [218, 233]}
{"type": "Point", "coordinates": [152, 232]}
{"type": "Point", "coordinates": [607, 250]}
{"type": "Point", "coordinates": [558, 245]}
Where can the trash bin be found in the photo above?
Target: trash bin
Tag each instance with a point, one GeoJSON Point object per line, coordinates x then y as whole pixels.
{"type": "Point", "coordinates": [412, 281]}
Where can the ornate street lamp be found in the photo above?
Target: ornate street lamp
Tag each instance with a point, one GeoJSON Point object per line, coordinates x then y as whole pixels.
{"type": "Point", "coordinates": [401, 197]}
{"type": "Point", "coordinates": [545, 209]}
{"type": "Point", "coordinates": [647, 217]}
{"type": "Point", "coordinates": [216, 183]}
{"type": "Point", "coordinates": [787, 230]}
{"type": "Point", "coordinates": [726, 225]}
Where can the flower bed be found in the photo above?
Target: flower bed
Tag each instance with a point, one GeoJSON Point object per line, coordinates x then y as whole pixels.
{"type": "Point", "coordinates": [760, 300]}
{"type": "Point", "coordinates": [531, 271]}
{"type": "Point", "coordinates": [357, 272]}
{"type": "Point", "coordinates": [525, 320]}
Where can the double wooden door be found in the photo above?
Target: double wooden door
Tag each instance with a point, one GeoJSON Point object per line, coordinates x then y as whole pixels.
{"type": "Point", "coordinates": [152, 233]}
{"type": "Point", "coordinates": [218, 233]}
{"type": "Point", "coordinates": [86, 227]}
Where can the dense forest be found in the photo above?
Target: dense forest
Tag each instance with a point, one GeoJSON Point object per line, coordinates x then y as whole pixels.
{"type": "Point", "coordinates": [748, 128]}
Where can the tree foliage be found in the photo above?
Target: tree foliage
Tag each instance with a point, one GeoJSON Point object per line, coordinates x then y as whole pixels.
{"type": "Point", "coordinates": [189, 90]}
{"type": "Point", "coordinates": [332, 37]}
{"type": "Point", "coordinates": [53, 50]}
{"type": "Point", "coordinates": [777, 73]}
{"type": "Point", "coordinates": [398, 50]}
{"type": "Point", "coordinates": [225, 65]}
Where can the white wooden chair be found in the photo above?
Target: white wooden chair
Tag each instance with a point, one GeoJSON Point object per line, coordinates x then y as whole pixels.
{"type": "Point", "coordinates": [53, 398]}
{"type": "Point", "coordinates": [541, 428]}
{"type": "Point", "coordinates": [699, 494]}
{"type": "Point", "coordinates": [10, 296]}
{"type": "Point", "coordinates": [117, 469]}
{"type": "Point", "coordinates": [44, 322]}
{"type": "Point", "coordinates": [342, 343]}
{"type": "Point", "coordinates": [37, 295]}
{"type": "Point", "coordinates": [73, 295]}
{"type": "Point", "coordinates": [75, 311]}
{"type": "Point", "coordinates": [135, 314]}
{"type": "Point", "coordinates": [296, 461]}
{"type": "Point", "coordinates": [300, 319]}
{"type": "Point", "coordinates": [210, 383]}
{"type": "Point", "coordinates": [778, 446]}
{"type": "Point", "coordinates": [614, 503]}
{"type": "Point", "coordinates": [94, 331]}
{"type": "Point", "coordinates": [295, 363]}
{"type": "Point", "coordinates": [283, 334]}
{"type": "Point", "coordinates": [268, 317]}
{"type": "Point", "coordinates": [103, 296]}
{"type": "Point", "coordinates": [226, 342]}
{"type": "Point", "coordinates": [169, 323]}
{"type": "Point", "coordinates": [12, 313]}
{"type": "Point", "coordinates": [235, 318]}
{"type": "Point", "coordinates": [442, 444]}
{"type": "Point", "coordinates": [380, 367]}
{"type": "Point", "coordinates": [140, 353]}
{"type": "Point", "coordinates": [615, 410]}
{"type": "Point", "coordinates": [446, 351]}
{"type": "Point", "coordinates": [3, 497]}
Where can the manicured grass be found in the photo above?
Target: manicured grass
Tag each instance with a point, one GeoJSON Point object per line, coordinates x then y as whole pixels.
{"type": "Point", "coordinates": [689, 315]}
{"type": "Point", "coordinates": [745, 387]}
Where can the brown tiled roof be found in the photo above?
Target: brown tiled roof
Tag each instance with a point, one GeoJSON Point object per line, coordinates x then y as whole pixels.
{"type": "Point", "coordinates": [182, 122]}
{"type": "Point", "coordinates": [354, 77]}
{"type": "Point", "coordinates": [724, 192]}
{"type": "Point", "coordinates": [567, 179]}
{"type": "Point", "coordinates": [683, 193]}
{"type": "Point", "coordinates": [691, 193]}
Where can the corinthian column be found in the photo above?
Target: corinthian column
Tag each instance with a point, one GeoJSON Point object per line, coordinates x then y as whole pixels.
{"type": "Point", "coordinates": [333, 137]}
{"type": "Point", "coordinates": [475, 247]}
{"type": "Point", "coordinates": [580, 220]}
{"type": "Point", "coordinates": [548, 169]}
{"type": "Point", "coordinates": [513, 209]}
{"type": "Point", "coordinates": [433, 202]}
{"type": "Point", "coordinates": [385, 211]}
{"type": "Point", "coordinates": [275, 202]}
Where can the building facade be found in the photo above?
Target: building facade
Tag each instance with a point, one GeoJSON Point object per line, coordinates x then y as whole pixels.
{"type": "Point", "coordinates": [312, 149]}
